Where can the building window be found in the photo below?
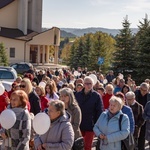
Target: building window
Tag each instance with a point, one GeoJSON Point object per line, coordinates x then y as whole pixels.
{"type": "Point", "coordinates": [55, 39]}
{"type": "Point", "coordinates": [12, 52]}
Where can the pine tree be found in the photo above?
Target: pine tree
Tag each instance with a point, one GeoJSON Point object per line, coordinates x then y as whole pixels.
{"type": "Point", "coordinates": [143, 50]}
{"type": "Point", "coordinates": [86, 50]}
{"type": "Point", "coordinates": [3, 55]}
{"type": "Point", "coordinates": [124, 55]}
{"type": "Point", "coordinates": [96, 51]}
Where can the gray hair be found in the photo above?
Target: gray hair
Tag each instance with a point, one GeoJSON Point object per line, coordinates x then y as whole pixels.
{"type": "Point", "coordinates": [69, 92]}
{"type": "Point", "coordinates": [130, 94]}
{"type": "Point", "coordinates": [145, 85]}
{"type": "Point", "coordinates": [116, 100]}
{"type": "Point", "coordinates": [59, 106]}
{"type": "Point", "coordinates": [88, 78]}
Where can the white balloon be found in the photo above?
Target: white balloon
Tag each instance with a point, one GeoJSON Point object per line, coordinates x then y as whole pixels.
{"type": "Point", "coordinates": [121, 76]}
{"type": "Point", "coordinates": [7, 119]}
{"type": "Point", "coordinates": [76, 73]}
{"type": "Point", "coordinates": [43, 84]}
{"type": "Point", "coordinates": [2, 89]}
{"type": "Point", "coordinates": [41, 123]}
{"type": "Point", "coordinates": [105, 81]}
{"type": "Point", "coordinates": [94, 77]}
{"type": "Point", "coordinates": [79, 74]}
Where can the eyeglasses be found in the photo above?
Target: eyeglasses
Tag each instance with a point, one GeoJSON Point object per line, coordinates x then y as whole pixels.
{"type": "Point", "coordinates": [22, 86]}
{"type": "Point", "coordinates": [143, 90]}
{"type": "Point", "coordinates": [129, 99]}
{"type": "Point", "coordinates": [87, 83]}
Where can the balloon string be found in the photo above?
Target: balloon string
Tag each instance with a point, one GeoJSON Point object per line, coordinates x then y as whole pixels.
{"type": "Point", "coordinates": [9, 138]}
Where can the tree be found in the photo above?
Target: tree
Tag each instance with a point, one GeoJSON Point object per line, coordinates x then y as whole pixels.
{"type": "Point", "coordinates": [86, 50]}
{"type": "Point", "coordinates": [96, 51]}
{"type": "Point", "coordinates": [65, 55]}
{"type": "Point", "coordinates": [142, 47]}
{"type": "Point", "coordinates": [125, 54]}
{"type": "Point", "coordinates": [3, 55]}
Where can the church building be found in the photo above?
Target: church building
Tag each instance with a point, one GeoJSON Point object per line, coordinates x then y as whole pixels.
{"type": "Point", "coordinates": [22, 35]}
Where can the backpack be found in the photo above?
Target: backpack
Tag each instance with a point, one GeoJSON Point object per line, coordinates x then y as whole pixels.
{"type": "Point", "coordinates": [127, 143]}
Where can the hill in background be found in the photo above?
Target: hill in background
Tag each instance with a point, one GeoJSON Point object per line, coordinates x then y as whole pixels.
{"type": "Point", "coordinates": [80, 32]}
{"type": "Point", "coordinates": [76, 32]}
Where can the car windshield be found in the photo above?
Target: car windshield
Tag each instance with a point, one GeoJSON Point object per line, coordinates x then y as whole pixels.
{"type": "Point", "coordinates": [6, 75]}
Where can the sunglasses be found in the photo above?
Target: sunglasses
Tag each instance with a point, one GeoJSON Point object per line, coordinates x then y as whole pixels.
{"type": "Point", "coordinates": [22, 86]}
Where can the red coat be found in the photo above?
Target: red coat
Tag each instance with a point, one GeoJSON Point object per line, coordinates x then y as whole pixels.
{"type": "Point", "coordinates": [106, 99]}
{"type": "Point", "coordinates": [3, 103]}
{"type": "Point", "coordinates": [9, 93]}
{"type": "Point", "coordinates": [44, 102]}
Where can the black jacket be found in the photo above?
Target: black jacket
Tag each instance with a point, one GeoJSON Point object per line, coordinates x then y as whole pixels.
{"type": "Point", "coordinates": [34, 102]}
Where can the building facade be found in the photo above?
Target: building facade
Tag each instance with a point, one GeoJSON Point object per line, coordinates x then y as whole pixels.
{"type": "Point", "coordinates": [21, 32]}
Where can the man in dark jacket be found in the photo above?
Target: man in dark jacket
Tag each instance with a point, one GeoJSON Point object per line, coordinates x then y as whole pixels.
{"type": "Point", "coordinates": [142, 96]}
{"type": "Point", "coordinates": [91, 107]}
{"type": "Point", "coordinates": [138, 115]}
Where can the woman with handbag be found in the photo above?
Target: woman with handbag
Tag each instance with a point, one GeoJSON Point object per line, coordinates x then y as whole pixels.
{"type": "Point", "coordinates": [71, 106]}
{"type": "Point", "coordinates": [107, 126]}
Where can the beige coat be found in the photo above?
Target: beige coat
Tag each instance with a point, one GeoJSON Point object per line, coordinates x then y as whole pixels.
{"type": "Point", "coordinates": [75, 113]}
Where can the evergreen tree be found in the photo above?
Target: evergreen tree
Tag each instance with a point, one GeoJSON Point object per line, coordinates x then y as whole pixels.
{"type": "Point", "coordinates": [72, 62]}
{"type": "Point", "coordinates": [96, 51]}
{"type": "Point", "coordinates": [3, 55]}
{"type": "Point", "coordinates": [79, 53]}
{"type": "Point", "coordinates": [143, 50]}
{"type": "Point", "coordinates": [124, 55]}
{"type": "Point", "coordinates": [86, 50]}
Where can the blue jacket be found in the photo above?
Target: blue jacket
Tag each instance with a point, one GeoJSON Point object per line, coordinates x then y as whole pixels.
{"type": "Point", "coordinates": [111, 129]}
{"type": "Point", "coordinates": [91, 106]}
{"type": "Point", "coordinates": [128, 111]}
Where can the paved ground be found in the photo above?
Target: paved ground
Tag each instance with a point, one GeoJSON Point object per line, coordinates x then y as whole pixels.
{"type": "Point", "coordinates": [49, 65]}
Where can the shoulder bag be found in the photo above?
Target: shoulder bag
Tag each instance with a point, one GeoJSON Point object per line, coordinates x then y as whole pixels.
{"type": "Point", "coordinates": [127, 143]}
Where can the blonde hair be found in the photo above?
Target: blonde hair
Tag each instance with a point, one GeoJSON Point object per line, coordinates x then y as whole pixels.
{"type": "Point", "coordinates": [28, 85]}
{"type": "Point", "coordinates": [116, 100]}
{"type": "Point", "coordinates": [42, 89]}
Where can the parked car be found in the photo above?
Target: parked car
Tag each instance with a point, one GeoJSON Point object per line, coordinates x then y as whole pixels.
{"type": "Point", "coordinates": [7, 74]}
{"type": "Point", "coordinates": [21, 67]}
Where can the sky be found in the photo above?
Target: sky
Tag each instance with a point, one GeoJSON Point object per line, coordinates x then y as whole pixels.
{"type": "Point", "coordinates": [93, 13]}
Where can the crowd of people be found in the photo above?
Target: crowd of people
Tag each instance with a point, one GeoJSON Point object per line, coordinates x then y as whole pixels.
{"type": "Point", "coordinates": [77, 107]}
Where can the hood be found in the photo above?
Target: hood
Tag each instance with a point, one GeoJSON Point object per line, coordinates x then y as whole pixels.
{"type": "Point", "coordinates": [65, 118]}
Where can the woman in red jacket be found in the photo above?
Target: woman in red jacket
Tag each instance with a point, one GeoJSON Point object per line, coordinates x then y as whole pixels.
{"type": "Point", "coordinates": [109, 93]}
{"type": "Point", "coordinates": [44, 100]}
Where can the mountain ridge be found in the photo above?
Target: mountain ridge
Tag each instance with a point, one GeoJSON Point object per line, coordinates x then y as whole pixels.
{"type": "Point", "coordinates": [82, 31]}
{"type": "Point", "coordinates": [77, 32]}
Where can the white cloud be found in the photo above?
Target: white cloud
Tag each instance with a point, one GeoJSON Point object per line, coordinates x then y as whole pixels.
{"type": "Point", "coordinates": [99, 2]}
{"type": "Point", "coordinates": [138, 5]}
